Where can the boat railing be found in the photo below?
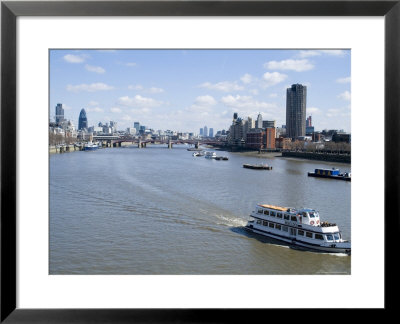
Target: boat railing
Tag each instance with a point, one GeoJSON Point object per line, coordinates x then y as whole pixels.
{"type": "Point", "coordinates": [326, 224]}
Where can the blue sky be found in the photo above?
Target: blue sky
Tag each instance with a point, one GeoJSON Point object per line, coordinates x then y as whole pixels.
{"type": "Point", "coordinates": [185, 90]}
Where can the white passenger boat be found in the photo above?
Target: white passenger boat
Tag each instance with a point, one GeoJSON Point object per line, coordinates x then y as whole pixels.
{"type": "Point", "coordinates": [90, 146]}
{"type": "Point", "coordinates": [301, 227]}
{"type": "Point", "coordinates": [199, 153]}
{"type": "Point", "coordinates": [210, 155]}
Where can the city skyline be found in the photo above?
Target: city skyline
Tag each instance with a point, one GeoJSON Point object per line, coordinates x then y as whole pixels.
{"type": "Point", "coordinates": [184, 90]}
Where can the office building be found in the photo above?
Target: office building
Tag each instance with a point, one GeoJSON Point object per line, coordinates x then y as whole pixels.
{"type": "Point", "coordinates": [308, 122]}
{"type": "Point", "coordinates": [269, 124]}
{"type": "Point", "coordinates": [296, 97]}
{"type": "Point", "coordinates": [211, 132]}
{"type": "Point", "coordinates": [259, 122]}
{"type": "Point", "coordinates": [205, 131]}
{"type": "Point", "coordinates": [137, 126]}
{"type": "Point", "coordinates": [59, 114]}
{"type": "Point", "coordinates": [82, 122]}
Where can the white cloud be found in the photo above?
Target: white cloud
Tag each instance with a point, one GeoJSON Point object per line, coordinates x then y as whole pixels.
{"type": "Point", "coordinates": [313, 110]}
{"type": "Point", "coordinates": [247, 78]}
{"type": "Point", "coordinates": [138, 101]}
{"type": "Point", "coordinates": [205, 100]}
{"type": "Point", "coordinates": [225, 86]}
{"type": "Point", "coordinates": [338, 112]}
{"type": "Point", "coordinates": [245, 102]}
{"type": "Point", "coordinates": [96, 69]}
{"type": "Point", "coordinates": [131, 64]}
{"type": "Point", "coordinates": [202, 105]}
{"type": "Point", "coordinates": [115, 110]}
{"type": "Point", "coordinates": [254, 91]}
{"type": "Point", "coordinates": [127, 118]}
{"type": "Point", "coordinates": [89, 87]}
{"type": "Point", "coordinates": [345, 95]}
{"type": "Point", "coordinates": [95, 109]}
{"type": "Point", "coordinates": [93, 103]}
{"type": "Point", "coordinates": [139, 87]}
{"type": "Point", "coordinates": [155, 90]}
{"type": "Point", "coordinates": [294, 65]}
{"type": "Point", "coordinates": [70, 58]}
{"type": "Point", "coordinates": [273, 78]}
{"type": "Point", "coordinates": [334, 52]}
{"type": "Point", "coordinates": [135, 87]}
{"type": "Point", "coordinates": [344, 80]}
{"type": "Point", "coordinates": [311, 53]}
{"type": "Point", "coordinates": [273, 95]}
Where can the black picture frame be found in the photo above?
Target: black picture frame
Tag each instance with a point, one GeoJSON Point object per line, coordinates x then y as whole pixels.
{"type": "Point", "coordinates": [10, 10]}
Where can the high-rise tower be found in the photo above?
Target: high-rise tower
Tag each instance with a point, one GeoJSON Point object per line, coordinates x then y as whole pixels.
{"type": "Point", "coordinates": [82, 123]}
{"type": "Point", "coordinates": [59, 113]}
{"type": "Point", "coordinates": [259, 121]}
{"type": "Point", "coordinates": [296, 97]}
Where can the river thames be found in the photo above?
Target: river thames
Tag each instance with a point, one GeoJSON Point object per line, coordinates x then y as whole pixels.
{"type": "Point", "coordinates": [162, 211]}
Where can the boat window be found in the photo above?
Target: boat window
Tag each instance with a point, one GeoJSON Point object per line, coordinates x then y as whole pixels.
{"type": "Point", "coordinates": [336, 235]}
{"type": "Point", "coordinates": [319, 237]}
{"type": "Point", "coordinates": [285, 228]}
{"type": "Point", "coordinates": [266, 212]}
{"type": "Point", "coordinates": [279, 215]}
{"type": "Point", "coordinates": [329, 237]}
{"type": "Point", "coordinates": [277, 226]}
{"type": "Point", "coordinates": [311, 214]}
{"type": "Point", "coordinates": [273, 213]}
{"type": "Point", "coordinates": [300, 232]}
{"type": "Point", "coordinates": [293, 219]}
{"type": "Point", "coordinates": [286, 216]}
{"type": "Point", "coordinates": [258, 221]}
{"type": "Point", "coordinates": [260, 211]}
{"type": "Point", "coordinates": [271, 225]}
{"type": "Point", "coordinates": [265, 223]}
{"type": "Point", "coordinates": [304, 214]}
{"type": "Point", "coordinates": [308, 234]}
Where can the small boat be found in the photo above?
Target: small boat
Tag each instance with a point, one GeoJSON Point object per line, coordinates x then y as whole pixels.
{"type": "Point", "coordinates": [199, 153]}
{"type": "Point", "coordinates": [257, 166]}
{"type": "Point", "coordinates": [225, 158]}
{"type": "Point", "coordinates": [299, 227]}
{"type": "Point", "coordinates": [194, 149]}
{"type": "Point", "coordinates": [90, 146]}
{"type": "Point", "coordinates": [330, 174]}
{"type": "Point", "coordinates": [210, 155]}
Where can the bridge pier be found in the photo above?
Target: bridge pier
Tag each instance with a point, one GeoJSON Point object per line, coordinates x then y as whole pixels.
{"type": "Point", "coordinates": [169, 144]}
{"type": "Point", "coordinates": [197, 145]}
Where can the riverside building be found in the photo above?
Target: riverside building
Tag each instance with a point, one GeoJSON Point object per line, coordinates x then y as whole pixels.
{"type": "Point", "coordinates": [82, 123]}
{"type": "Point", "coordinates": [296, 97]}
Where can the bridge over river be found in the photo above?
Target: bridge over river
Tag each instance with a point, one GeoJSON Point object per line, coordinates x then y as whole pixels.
{"type": "Point", "coordinates": [116, 141]}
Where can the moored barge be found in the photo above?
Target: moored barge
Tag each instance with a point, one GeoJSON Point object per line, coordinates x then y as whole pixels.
{"type": "Point", "coordinates": [330, 174]}
{"type": "Point", "coordinates": [299, 227]}
{"type": "Point", "coordinates": [257, 166]}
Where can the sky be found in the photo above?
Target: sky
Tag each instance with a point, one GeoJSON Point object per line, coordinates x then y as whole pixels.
{"type": "Point", "coordinates": [184, 90]}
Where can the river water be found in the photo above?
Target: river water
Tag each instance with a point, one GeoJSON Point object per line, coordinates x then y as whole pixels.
{"type": "Point", "coordinates": [162, 211]}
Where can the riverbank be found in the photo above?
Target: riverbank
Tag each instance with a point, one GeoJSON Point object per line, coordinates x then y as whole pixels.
{"type": "Point", "coordinates": [341, 158]}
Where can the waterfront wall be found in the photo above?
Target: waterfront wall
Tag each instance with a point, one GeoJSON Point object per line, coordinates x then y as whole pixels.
{"type": "Point", "coordinates": [343, 158]}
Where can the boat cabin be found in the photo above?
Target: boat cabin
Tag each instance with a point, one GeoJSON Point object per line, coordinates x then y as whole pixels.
{"type": "Point", "coordinates": [304, 216]}
{"type": "Point", "coordinates": [327, 172]}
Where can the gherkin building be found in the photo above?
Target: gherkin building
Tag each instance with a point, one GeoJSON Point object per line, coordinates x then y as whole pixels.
{"type": "Point", "coordinates": [82, 120]}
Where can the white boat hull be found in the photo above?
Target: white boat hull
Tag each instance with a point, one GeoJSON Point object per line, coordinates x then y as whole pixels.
{"type": "Point", "coordinates": [334, 247]}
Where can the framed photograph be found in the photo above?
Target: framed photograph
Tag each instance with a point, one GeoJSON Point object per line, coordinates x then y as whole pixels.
{"type": "Point", "coordinates": [130, 135]}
